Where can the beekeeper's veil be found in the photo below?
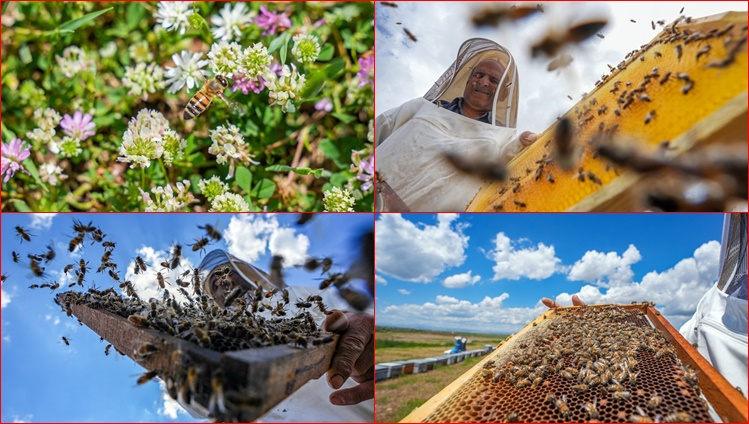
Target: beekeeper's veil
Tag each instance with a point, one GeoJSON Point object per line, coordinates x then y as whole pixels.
{"type": "Point", "coordinates": [453, 82]}
{"type": "Point", "coordinates": [244, 274]}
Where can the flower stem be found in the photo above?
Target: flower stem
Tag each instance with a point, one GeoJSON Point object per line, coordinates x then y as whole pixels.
{"type": "Point", "coordinates": [163, 170]}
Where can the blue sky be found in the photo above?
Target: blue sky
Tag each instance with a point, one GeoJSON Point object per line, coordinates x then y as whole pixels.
{"type": "Point", "coordinates": [45, 380]}
{"type": "Point", "coordinates": [488, 272]}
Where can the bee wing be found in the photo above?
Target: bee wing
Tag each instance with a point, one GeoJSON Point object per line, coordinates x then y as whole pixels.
{"type": "Point", "coordinates": [234, 106]}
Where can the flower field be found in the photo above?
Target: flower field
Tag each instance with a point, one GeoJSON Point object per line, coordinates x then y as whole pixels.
{"type": "Point", "coordinates": [187, 106]}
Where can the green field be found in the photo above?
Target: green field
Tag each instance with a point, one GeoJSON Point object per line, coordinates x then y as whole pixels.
{"type": "Point", "coordinates": [397, 397]}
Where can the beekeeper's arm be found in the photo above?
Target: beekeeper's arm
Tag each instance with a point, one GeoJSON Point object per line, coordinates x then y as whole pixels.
{"type": "Point", "coordinates": [389, 121]}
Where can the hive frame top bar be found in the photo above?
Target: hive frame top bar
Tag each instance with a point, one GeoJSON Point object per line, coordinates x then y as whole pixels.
{"type": "Point", "coordinates": [729, 404]}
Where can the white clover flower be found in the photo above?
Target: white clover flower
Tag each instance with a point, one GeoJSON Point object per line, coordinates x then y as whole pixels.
{"type": "Point", "coordinates": [174, 15]}
{"type": "Point", "coordinates": [143, 79]}
{"type": "Point", "coordinates": [109, 50]}
{"type": "Point", "coordinates": [51, 173]}
{"type": "Point", "coordinates": [73, 61]}
{"type": "Point", "coordinates": [47, 119]}
{"type": "Point", "coordinates": [142, 141]}
{"type": "Point", "coordinates": [225, 58]}
{"type": "Point", "coordinates": [212, 187]}
{"type": "Point", "coordinates": [188, 70]}
{"type": "Point", "coordinates": [165, 199]}
{"type": "Point", "coordinates": [69, 147]}
{"type": "Point", "coordinates": [229, 202]}
{"type": "Point", "coordinates": [229, 146]}
{"type": "Point", "coordinates": [173, 146]}
{"type": "Point", "coordinates": [140, 52]}
{"type": "Point", "coordinates": [229, 21]}
{"type": "Point", "coordinates": [306, 47]}
{"type": "Point", "coordinates": [370, 131]}
{"type": "Point", "coordinates": [337, 200]}
{"type": "Point", "coordinates": [285, 88]}
{"type": "Point", "coordinates": [39, 136]}
{"type": "Point", "coordinates": [255, 61]}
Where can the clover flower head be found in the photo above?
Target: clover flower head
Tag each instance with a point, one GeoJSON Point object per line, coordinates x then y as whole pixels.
{"type": "Point", "coordinates": [284, 89]}
{"type": "Point", "coordinates": [40, 137]}
{"type": "Point", "coordinates": [174, 15]}
{"type": "Point", "coordinates": [188, 70]}
{"type": "Point", "coordinates": [212, 187]}
{"type": "Point", "coordinates": [337, 200]}
{"type": "Point", "coordinates": [229, 202]}
{"type": "Point", "coordinates": [370, 132]}
{"type": "Point", "coordinates": [306, 47]}
{"type": "Point", "coordinates": [324, 104]}
{"type": "Point", "coordinates": [229, 21]}
{"type": "Point", "coordinates": [78, 126]}
{"type": "Point", "coordinates": [366, 70]}
{"type": "Point", "coordinates": [224, 58]}
{"type": "Point", "coordinates": [109, 50]}
{"type": "Point", "coordinates": [73, 61]}
{"type": "Point", "coordinates": [140, 52]}
{"type": "Point", "coordinates": [229, 146]}
{"type": "Point", "coordinates": [47, 119]}
{"type": "Point", "coordinates": [366, 173]}
{"type": "Point", "coordinates": [69, 147]}
{"type": "Point", "coordinates": [255, 61]}
{"type": "Point", "coordinates": [241, 82]}
{"type": "Point", "coordinates": [13, 154]}
{"type": "Point", "coordinates": [270, 21]}
{"type": "Point", "coordinates": [51, 173]}
{"type": "Point", "coordinates": [173, 146]}
{"type": "Point", "coordinates": [143, 79]}
{"type": "Point", "coordinates": [143, 139]}
{"type": "Point", "coordinates": [166, 199]}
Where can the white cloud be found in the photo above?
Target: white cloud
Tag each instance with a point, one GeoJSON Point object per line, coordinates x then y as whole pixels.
{"type": "Point", "coordinates": [146, 283]}
{"type": "Point", "coordinates": [676, 291]}
{"type": "Point", "coordinates": [293, 247]}
{"type": "Point", "coordinates": [404, 292]}
{"type": "Point", "coordinates": [41, 221]}
{"type": "Point", "coordinates": [451, 313]}
{"type": "Point", "coordinates": [247, 235]}
{"type": "Point", "coordinates": [512, 264]}
{"type": "Point", "coordinates": [458, 281]}
{"type": "Point", "coordinates": [170, 408]}
{"type": "Point", "coordinates": [418, 253]}
{"type": "Point", "coordinates": [595, 267]}
{"type": "Point", "coordinates": [5, 298]}
{"type": "Point", "coordinates": [381, 280]}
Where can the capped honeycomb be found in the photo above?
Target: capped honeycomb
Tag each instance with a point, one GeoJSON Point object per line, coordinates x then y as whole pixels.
{"type": "Point", "coordinates": [603, 364]}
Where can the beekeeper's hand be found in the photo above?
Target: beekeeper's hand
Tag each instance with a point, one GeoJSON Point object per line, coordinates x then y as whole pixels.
{"type": "Point", "coordinates": [353, 357]}
{"type": "Point", "coordinates": [551, 304]}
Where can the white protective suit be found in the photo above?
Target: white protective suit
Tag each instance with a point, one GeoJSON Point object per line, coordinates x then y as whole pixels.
{"type": "Point", "coordinates": [412, 138]}
{"type": "Point", "coordinates": [719, 325]}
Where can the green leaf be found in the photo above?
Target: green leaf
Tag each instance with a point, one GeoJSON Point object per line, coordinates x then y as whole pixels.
{"type": "Point", "coordinates": [5, 6]}
{"type": "Point", "coordinates": [244, 178]}
{"type": "Point", "coordinates": [276, 44]}
{"type": "Point", "coordinates": [197, 21]}
{"type": "Point", "coordinates": [335, 67]}
{"type": "Point", "coordinates": [135, 15]}
{"type": "Point", "coordinates": [20, 205]}
{"type": "Point", "coordinates": [74, 24]}
{"type": "Point", "coordinates": [344, 117]}
{"type": "Point", "coordinates": [29, 165]}
{"type": "Point", "coordinates": [302, 171]}
{"type": "Point", "coordinates": [279, 168]}
{"type": "Point", "coordinates": [326, 53]}
{"type": "Point", "coordinates": [329, 149]}
{"type": "Point", "coordinates": [284, 47]}
{"type": "Point", "coordinates": [7, 134]}
{"type": "Point", "coordinates": [314, 85]}
{"type": "Point", "coordinates": [264, 189]}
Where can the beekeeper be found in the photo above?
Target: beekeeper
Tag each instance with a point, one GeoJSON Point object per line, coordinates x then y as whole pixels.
{"type": "Point", "coordinates": [347, 391]}
{"type": "Point", "coordinates": [471, 110]}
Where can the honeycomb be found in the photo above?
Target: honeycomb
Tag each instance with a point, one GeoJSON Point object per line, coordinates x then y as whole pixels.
{"type": "Point", "coordinates": [579, 365]}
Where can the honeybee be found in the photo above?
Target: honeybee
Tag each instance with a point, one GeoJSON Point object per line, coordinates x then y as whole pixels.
{"type": "Point", "coordinates": [233, 295]}
{"type": "Point", "coordinates": [214, 87]}
{"type": "Point", "coordinates": [16, 257]}
{"type": "Point", "coordinates": [590, 408]}
{"type": "Point", "coordinates": [146, 377]}
{"type": "Point", "coordinates": [138, 320]}
{"type": "Point", "coordinates": [66, 341]}
{"type": "Point", "coordinates": [200, 244]}
{"type": "Point", "coordinates": [211, 231]}
{"type": "Point", "coordinates": [176, 254]}
{"type": "Point", "coordinates": [23, 233]}
{"type": "Point", "coordinates": [36, 269]}
{"type": "Point", "coordinates": [622, 395]}
{"type": "Point", "coordinates": [106, 349]}
{"type": "Point", "coordinates": [355, 298]}
{"type": "Point", "coordinates": [276, 271]}
{"type": "Point", "coordinates": [146, 350]}
{"type": "Point", "coordinates": [108, 245]}
{"type": "Point", "coordinates": [678, 417]}
{"type": "Point", "coordinates": [655, 401]}
{"type": "Point", "coordinates": [140, 265]}
{"type": "Point", "coordinates": [640, 417]}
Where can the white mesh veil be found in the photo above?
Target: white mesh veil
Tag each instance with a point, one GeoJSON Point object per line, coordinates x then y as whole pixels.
{"type": "Point", "coordinates": [452, 83]}
{"type": "Point", "coordinates": [733, 268]}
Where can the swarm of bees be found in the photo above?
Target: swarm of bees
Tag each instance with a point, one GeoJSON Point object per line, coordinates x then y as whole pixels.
{"type": "Point", "coordinates": [602, 363]}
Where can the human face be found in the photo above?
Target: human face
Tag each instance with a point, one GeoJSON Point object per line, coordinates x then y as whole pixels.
{"type": "Point", "coordinates": [478, 97]}
{"type": "Point", "coordinates": [221, 287]}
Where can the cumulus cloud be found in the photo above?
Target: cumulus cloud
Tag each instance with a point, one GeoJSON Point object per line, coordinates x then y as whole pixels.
{"type": "Point", "coordinates": [676, 291]}
{"type": "Point", "coordinates": [404, 292]}
{"type": "Point", "coordinates": [293, 247]}
{"type": "Point", "coordinates": [419, 253]}
{"type": "Point", "coordinates": [5, 298]}
{"type": "Point", "coordinates": [488, 315]}
{"type": "Point", "coordinates": [458, 281]}
{"type": "Point", "coordinates": [381, 280]}
{"type": "Point", "coordinates": [169, 407]}
{"type": "Point", "coordinates": [512, 263]}
{"type": "Point", "coordinates": [146, 283]}
{"type": "Point", "coordinates": [247, 235]}
{"type": "Point", "coordinates": [41, 221]}
{"type": "Point", "coordinates": [605, 269]}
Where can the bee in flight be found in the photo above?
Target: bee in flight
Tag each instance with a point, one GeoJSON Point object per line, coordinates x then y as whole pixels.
{"type": "Point", "coordinates": [214, 87]}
